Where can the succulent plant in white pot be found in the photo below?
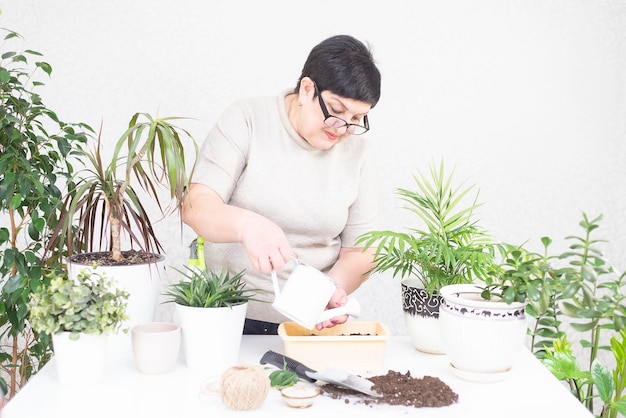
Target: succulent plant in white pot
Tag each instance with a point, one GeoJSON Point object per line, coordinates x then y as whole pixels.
{"type": "Point", "coordinates": [210, 306]}
{"type": "Point", "coordinates": [78, 314]}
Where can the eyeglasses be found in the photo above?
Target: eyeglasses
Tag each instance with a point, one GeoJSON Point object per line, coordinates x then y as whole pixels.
{"type": "Point", "coordinates": [335, 122]}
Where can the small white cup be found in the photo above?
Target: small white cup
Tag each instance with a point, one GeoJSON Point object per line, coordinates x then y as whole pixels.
{"type": "Point", "coordinates": [156, 346]}
{"type": "Point", "coordinates": [306, 294]}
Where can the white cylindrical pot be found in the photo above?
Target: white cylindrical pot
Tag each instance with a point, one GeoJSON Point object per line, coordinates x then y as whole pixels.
{"type": "Point", "coordinates": [82, 361]}
{"type": "Point", "coordinates": [156, 346]}
{"type": "Point", "coordinates": [421, 316]}
{"type": "Point", "coordinates": [482, 338]}
{"type": "Point", "coordinates": [143, 284]}
{"type": "Point", "coordinates": [211, 336]}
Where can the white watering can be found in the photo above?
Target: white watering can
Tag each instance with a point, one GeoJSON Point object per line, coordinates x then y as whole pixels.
{"type": "Point", "coordinates": [305, 295]}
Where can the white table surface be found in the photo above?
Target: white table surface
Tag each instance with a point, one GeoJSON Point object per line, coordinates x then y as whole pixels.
{"type": "Point", "coordinates": [529, 391]}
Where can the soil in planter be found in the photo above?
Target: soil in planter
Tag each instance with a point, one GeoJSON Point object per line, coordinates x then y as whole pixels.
{"type": "Point", "coordinates": [131, 257]}
{"type": "Point", "coordinates": [399, 389]}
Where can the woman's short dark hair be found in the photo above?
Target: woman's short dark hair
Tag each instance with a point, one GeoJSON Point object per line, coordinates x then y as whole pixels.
{"type": "Point", "coordinates": [345, 66]}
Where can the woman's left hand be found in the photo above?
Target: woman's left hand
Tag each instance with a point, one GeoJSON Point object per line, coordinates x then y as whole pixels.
{"type": "Point", "coordinates": [338, 299]}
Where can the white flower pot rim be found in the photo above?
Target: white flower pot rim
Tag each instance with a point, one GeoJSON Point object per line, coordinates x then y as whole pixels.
{"type": "Point", "coordinates": [469, 295]}
{"type": "Point", "coordinates": [234, 305]}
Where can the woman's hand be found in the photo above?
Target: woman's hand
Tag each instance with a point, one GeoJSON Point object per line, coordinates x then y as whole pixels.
{"type": "Point", "coordinates": [266, 244]}
{"type": "Point", "coordinates": [338, 299]}
{"type": "Point", "coordinates": [208, 215]}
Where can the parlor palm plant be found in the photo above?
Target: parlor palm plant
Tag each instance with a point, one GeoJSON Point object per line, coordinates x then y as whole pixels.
{"type": "Point", "coordinates": [449, 246]}
{"type": "Point", "coordinates": [445, 247]}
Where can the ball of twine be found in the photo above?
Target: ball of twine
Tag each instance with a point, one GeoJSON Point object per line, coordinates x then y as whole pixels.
{"type": "Point", "coordinates": [244, 386]}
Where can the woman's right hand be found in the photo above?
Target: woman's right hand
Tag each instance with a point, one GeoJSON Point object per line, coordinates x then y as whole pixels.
{"type": "Point", "coordinates": [266, 244]}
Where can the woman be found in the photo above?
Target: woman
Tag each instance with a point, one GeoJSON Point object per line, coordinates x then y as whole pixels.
{"type": "Point", "coordinates": [282, 178]}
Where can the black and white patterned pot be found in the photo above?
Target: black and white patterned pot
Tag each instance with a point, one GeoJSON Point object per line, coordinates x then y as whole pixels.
{"type": "Point", "coordinates": [421, 316]}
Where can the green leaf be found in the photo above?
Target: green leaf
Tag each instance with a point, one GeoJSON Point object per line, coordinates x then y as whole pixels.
{"type": "Point", "coordinates": [16, 201]}
{"type": "Point", "coordinates": [45, 67]}
{"type": "Point", "coordinates": [283, 378]}
{"type": "Point", "coordinates": [603, 380]}
{"type": "Point", "coordinates": [620, 406]}
{"type": "Point", "coordinates": [584, 327]}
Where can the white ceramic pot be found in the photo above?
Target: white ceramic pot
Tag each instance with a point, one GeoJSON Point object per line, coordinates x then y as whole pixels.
{"type": "Point", "coordinates": [421, 316]}
{"type": "Point", "coordinates": [482, 338]}
{"type": "Point", "coordinates": [143, 284]}
{"type": "Point", "coordinates": [82, 361]}
{"type": "Point", "coordinates": [211, 336]}
{"type": "Point", "coordinates": [156, 346]}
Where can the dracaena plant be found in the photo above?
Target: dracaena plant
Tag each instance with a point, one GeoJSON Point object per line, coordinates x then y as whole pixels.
{"type": "Point", "coordinates": [103, 202]}
{"type": "Point", "coordinates": [445, 245]}
{"type": "Point", "coordinates": [202, 287]}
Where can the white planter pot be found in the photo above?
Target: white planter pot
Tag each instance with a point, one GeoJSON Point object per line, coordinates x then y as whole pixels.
{"type": "Point", "coordinates": [143, 284]}
{"type": "Point", "coordinates": [82, 361]}
{"type": "Point", "coordinates": [156, 346]}
{"type": "Point", "coordinates": [211, 336]}
{"type": "Point", "coordinates": [421, 316]}
{"type": "Point", "coordinates": [482, 338]}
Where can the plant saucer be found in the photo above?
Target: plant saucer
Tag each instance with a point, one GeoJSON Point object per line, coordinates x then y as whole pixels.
{"type": "Point", "coordinates": [478, 377]}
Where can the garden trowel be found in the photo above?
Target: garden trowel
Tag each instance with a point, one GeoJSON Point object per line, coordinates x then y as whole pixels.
{"type": "Point", "coordinates": [333, 376]}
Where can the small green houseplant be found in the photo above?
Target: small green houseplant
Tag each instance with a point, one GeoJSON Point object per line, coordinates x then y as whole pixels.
{"type": "Point", "coordinates": [91, 304]}
{"type": "Point", "coordinates": [210, 306]}
{"type": "Point", "coordinates": [79, 314]}
{"type": "Point", "coordinates": [204, 288]}
{"type": "Point", "coordinates": [522, 276]}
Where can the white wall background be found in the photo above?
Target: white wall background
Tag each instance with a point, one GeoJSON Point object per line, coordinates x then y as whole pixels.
{"type": "Point", "coordinates": [526, 97]}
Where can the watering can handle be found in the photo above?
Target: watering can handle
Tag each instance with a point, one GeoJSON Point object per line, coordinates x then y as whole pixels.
{"type": "Point", "coordinates": [352, 308]}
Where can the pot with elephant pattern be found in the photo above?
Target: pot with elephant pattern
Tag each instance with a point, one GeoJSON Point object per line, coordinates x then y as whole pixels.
{"type": "Point", "coordinates": [482, 338]}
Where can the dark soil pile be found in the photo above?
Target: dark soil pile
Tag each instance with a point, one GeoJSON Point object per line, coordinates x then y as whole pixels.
{"type": "Point", "coordinates": [399, 389]}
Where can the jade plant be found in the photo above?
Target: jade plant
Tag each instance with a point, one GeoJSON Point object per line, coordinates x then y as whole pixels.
{"type": "Point", "coordinates": [589, 308]}
{"type": "Point", "coordinates": [445, 245]}
{"type": "Point", "coordinates": [521, 276]}
{"type": "Point", "coordinates": [90, 304]}
{"type": "Point", "coordinates": [38, 152]}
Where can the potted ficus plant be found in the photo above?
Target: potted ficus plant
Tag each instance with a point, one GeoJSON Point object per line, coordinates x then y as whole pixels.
{"type": "Point", "coordinates": [79, 314]}
{"type": "Point", "coordinates": [38, 152]}
{"type": "Point", "coordinates": [211, 308]}
{"type": "Point", "coordinates": [444, 246]}
{"type": "Point", "coordinates": [103, 206]}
